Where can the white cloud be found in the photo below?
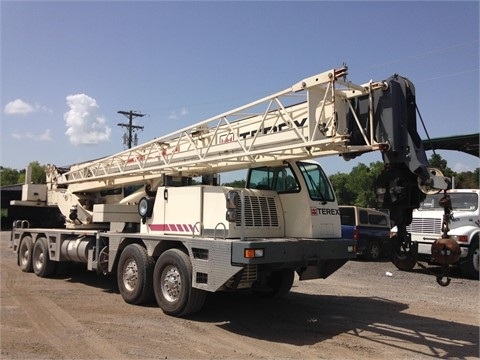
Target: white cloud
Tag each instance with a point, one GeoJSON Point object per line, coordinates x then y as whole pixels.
{"type": "Point", "coordinates": [39, 107]}
{"type": "Point", "coordinates": [45, 136]}
{"type": "Point", "coordinates": [178, 113]}
{"type": "Point", "coordinates": [16, 135]}
{"type": "Point", "coordinates": [86, 126]}
{"type": "Point", "coordinates": [20, 107]}
{"type": "Point", "coordinates": [459, 167]}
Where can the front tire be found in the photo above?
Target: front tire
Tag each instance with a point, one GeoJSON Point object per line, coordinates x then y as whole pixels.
{"type": "Point", "coordinates": [172, 284]}
{"type": "Point", "coordinates": [470, 265]}
{"type": "Point", "coordinates": [42, 265]}
{"type": "Point", "coordinates": [135, 275]}
{"type": "Point", "coordinates": [278, 284]}
{"type": "Point", "coordinates": [25, 251]}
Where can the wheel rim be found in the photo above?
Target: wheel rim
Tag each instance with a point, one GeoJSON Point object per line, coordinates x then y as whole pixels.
{"type": "Point", "coordinates": [130, 275]}
{"type": "Point", "coordinates": [24, 254]}
{"type": "Point", "coordinates": [171, 283]}
{"type": "Point", "coordinates": [39, 259]}
{"type": "Point", "coordinates": [375, 252]}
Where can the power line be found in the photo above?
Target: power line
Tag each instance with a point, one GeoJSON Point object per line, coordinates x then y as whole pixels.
{"type": "Point", "coordinates": [427, 53]}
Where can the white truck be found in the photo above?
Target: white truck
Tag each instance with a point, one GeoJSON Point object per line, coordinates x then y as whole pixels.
{"type": "Point", "coordinates": [464, 226]}
{"type": "Point", "coordinates": [141, 215]}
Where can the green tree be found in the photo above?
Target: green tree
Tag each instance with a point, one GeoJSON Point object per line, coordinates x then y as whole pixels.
{"type": "Point", "coordinates": [437, 162]}
{"type": "Point", "coordinates": [467, 180]}
{"type": "Point", "coordinates": [9, 176]}
{"type": "Point", "coordinates": [235, 184]}
{"type": "Point", "coordinates": [38, 173]}
{"type": "Point", "coordinates": [344, 195]}
{"type": "Point", "coordinates": [362, 182]}
{"type": "Point", "coordinates": [357, 187]}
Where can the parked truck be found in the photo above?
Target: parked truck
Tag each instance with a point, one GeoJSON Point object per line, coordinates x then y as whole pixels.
{"type": "Point", "coordinates": [143, 215]}
{"type": "Point", "coordinates": [428, 224]}
{"type": "Point", "coordinates": [369, 228]}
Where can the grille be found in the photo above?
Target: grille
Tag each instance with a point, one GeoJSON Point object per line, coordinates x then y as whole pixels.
{"type": "Point", "coordinates": [425, 226]}
{"type": "Point", "coordinates": [260, 211]}
{"type": "Point", "coordinates": [202, 278]}
{"type": "Point", "coordinates": [249, 275]}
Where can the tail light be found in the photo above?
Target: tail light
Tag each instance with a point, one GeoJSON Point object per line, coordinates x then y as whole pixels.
{"type": "Point", "coordinates": [356, 233]}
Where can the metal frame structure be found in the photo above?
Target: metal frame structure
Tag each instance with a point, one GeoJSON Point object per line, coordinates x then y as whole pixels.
{"type": "Point", "coordinates": [298, 122]}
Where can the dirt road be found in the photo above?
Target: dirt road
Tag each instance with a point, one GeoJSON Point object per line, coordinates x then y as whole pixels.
{"type": "Point", "coordinates": [357, 313]}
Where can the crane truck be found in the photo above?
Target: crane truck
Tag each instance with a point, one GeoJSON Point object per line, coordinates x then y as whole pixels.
{"type": "Point", "coordinates": [140, 213]}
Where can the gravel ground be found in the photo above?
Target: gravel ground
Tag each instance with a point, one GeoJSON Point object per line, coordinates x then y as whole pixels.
{"type": "Point", "coordinates": [360, 312]}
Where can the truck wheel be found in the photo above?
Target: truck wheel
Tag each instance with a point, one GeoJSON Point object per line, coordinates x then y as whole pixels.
{"type": "Point", "coordinates": [42, 265]}
{"type": "Point", "coordinates": [135, 275]}
{"type": "Point", "coordinates": [25, 254]}
{"type": "Point", "coordinates": [172, 284]}
{"type": "Point", "coordinates": [278, 284]}
{"type": "Point", "coordinates": [470, 266]}
{"type": "Point", "coordinates": [373, 251]}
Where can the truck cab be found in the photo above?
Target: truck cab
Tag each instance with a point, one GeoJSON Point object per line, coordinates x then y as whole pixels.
{"type": "Point", "coordinates": [308, 200]}
{"type": "Point", "coordinates": [464, 226]}
{"type": "Point", "coordinates": [291, 199]}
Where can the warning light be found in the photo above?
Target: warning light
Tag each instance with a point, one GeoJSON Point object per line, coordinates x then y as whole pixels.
{"type": "Point", "coordinates": [253, 253]}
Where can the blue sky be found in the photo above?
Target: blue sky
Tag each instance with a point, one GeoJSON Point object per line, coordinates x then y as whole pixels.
{"type": "Point", "coordinates": [68, 67]}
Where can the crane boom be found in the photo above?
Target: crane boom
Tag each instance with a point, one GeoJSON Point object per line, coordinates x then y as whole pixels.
{"type": "Point", "coordinates": [307, 120]}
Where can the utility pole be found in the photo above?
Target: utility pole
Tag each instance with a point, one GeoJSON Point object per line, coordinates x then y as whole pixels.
{"type": "Point", "coordinates": [131, 128]}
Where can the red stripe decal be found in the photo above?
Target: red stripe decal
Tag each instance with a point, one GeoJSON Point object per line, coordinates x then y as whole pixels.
{"type": "Point", "coordinates": [172, 227]}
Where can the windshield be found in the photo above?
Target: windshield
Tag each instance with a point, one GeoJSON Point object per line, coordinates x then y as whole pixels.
{"type": "Point", "coordinates": [317, 182]}
{"type": "Point", "coordinates": [283, 180]}
{"type": "Point", "coordinates": [280, 179]}
{"type": "Point", "coordinates": [460, 201]}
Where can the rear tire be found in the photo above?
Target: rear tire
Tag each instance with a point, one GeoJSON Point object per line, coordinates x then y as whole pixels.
{"type": "Point", "coordinates": [135, 275]}
{"type": "Point", "coordinates": [42, 265]}
{"type": "Point", "coordinates": [373, 251]}
{"type": "Point", "coordinates": [172, 284]}
{"type": "Point", "coordinates": [25, 251]}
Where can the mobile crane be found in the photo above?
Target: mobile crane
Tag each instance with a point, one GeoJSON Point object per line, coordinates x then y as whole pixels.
{"type": "Point", "coordinates": [141, 215]}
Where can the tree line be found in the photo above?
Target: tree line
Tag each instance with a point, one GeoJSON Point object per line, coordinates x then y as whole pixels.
{"type": "Point", "coordinates": [356, 187]}
{"type": "Point", "coordinates": [353, 188]}
{"type": "Point", "coordinates": [9, 176]}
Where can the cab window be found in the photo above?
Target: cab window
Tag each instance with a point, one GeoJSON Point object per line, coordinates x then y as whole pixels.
{"type": "Point", "coordinates": [317, 182]}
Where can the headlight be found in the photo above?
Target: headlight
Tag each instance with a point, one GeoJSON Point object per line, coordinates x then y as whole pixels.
{"type": "Point", "coordinates": [231, 215]}
{"type": "Point", "coordinates": [232, 197]}
{"type": "Point", "coordinates": [460, 238]}
{"type": "Point", "coordinates": [253, 253]}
